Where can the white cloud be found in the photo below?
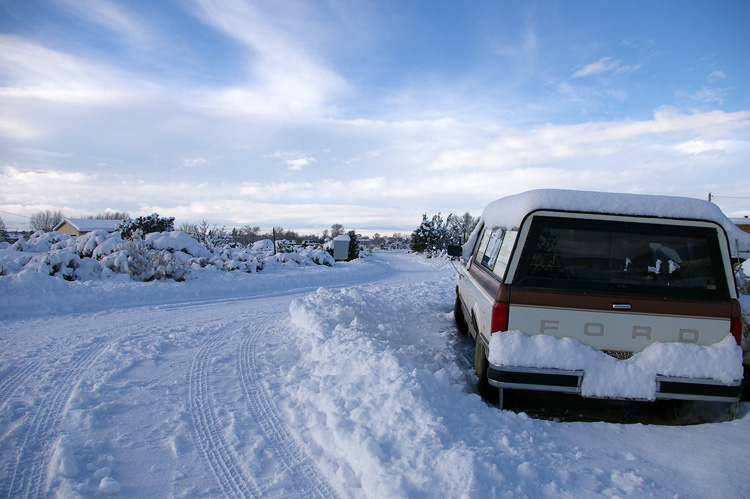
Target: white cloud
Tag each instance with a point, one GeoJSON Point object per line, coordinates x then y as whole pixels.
{"type": "Point", "coordinates": [193, 162]}
{"type": "Point", "coordinates": [294, 160]}
{"type": "Point", "coordinates": [17, 129]}
{"type": "Point", "coordinates": [716, 75]}
{"type": "Point", "coordinates": [612, 140]}
{"type": "Point", "coordinates": [30, 187]}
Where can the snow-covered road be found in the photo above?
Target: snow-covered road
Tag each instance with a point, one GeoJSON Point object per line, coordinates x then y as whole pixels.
{"type": "Point", "coordinates": [267, 385]}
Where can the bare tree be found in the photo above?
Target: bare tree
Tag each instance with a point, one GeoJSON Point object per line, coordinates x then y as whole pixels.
{"type": "Point", "coordinates": [46, 220]}
{"type": "Point", "coordinates": [110, 215]}
{"type": "Point", "coordinates": [3, 230]}
{"type": "Point", "coordinates": [336, 230]}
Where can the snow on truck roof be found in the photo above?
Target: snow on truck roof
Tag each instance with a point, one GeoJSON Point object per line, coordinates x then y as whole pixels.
{"type": "Point", "coordinates": [511, 210]}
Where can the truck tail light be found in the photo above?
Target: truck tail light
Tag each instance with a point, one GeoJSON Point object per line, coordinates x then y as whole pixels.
{"type": "Point", "coordinates": [735, 327]}
{"type": "Point", "coordinates": [499, 317]}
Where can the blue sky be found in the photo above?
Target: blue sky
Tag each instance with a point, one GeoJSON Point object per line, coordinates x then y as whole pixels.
{"type": "Point", "coordinates": [302, 114]}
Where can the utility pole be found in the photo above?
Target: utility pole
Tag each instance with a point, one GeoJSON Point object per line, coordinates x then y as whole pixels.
{"type": "Point", "coordinates": [709, 197]}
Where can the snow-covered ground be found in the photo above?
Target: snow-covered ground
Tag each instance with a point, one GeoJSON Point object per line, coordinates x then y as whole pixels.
{"type": "Point", "coordinates": [350, 381]}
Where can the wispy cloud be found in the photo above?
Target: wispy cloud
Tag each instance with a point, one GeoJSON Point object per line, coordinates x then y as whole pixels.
{"type": "Point", "coordinates": [294, 160]}
{"type": "Point", "coordinates": [284, 75]}
{"type": "Point", "coordinates": [127, 25]}
{"type": "Point", "coordinates": [35, 71]}
{"type": "Point", "coordinates": [194, 162]}
{"type": "Point", "coordinates": [604, 65]}
{"type": "Point", "coordinates": [704, 95]}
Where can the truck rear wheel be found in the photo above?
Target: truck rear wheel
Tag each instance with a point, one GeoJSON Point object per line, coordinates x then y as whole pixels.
{"type": "Point", "coordinates": [458, 313]}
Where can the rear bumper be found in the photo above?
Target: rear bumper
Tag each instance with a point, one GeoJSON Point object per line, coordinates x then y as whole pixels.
{"type": "Point", "coordinates": [568, 381]}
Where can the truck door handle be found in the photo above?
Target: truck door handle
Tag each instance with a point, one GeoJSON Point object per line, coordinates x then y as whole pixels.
{"type": "Point", "coordinates": [621, 306]}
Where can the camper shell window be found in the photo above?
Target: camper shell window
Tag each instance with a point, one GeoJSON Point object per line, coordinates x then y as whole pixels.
{"type": "Point", "coordinates": [623, 258]}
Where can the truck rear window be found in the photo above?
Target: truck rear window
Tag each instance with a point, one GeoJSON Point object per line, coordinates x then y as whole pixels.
{"type": "Point", "coordinates": [623, 257]}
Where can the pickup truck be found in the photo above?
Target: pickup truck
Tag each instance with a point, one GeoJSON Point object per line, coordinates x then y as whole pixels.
{"type": "Point", "coordinates": [603, 295]}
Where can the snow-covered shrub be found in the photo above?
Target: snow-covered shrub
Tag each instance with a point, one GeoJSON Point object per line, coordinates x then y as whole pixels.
{"type": "Point", "coordinates": [208, 235]}
{"type": "Point", "coordinates": [58, 263]}
{"type": "Point", "coordinates": [320, 257]}
{"type": "Point", "coordinates": [116, 262]}
{"type": "Point", "coordinates": [97, 243]}
{"type": "Point", "coordinates": [12, 263]}
{"type": "Point", "coordinates": [160, 255]}
{"type": "Point", "coordinates": [176, 241]}
{"type": "Point", "coordinates": [146, 264]}
{"type": "Point", "coordinates": [40, 242]}
{"type": "Point", "coordinates": [743, 283]}
{"type": "Point", "coordinates": [264, 245]}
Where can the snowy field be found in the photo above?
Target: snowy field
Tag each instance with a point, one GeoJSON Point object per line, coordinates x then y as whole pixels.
{"type": "Point", "coordinates": [349, 381]}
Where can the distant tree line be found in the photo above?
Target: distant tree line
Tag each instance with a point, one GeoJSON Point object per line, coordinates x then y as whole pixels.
{"type": "Point", "coordinates": [204, 231]}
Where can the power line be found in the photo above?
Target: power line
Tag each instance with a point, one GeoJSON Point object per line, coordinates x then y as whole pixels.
{"type": "Point", "coordinates": [16, 214]}
{"type": "Point", "coordinates": [713, 196]}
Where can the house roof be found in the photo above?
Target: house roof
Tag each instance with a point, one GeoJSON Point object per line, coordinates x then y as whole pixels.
{"type": "Point", "coordinates": [88, 225]}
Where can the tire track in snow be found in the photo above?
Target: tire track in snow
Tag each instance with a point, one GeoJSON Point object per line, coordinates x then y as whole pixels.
{"type": "Point", "coordinates": [29, 468]}
{"type": "Point", "coordinates": [297, 464]}
{"type": "Point", "coordinates": [10, 383]}
{"type": "Point", "coordinates": [217, 455]}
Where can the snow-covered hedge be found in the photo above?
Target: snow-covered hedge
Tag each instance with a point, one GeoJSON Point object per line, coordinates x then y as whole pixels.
{"type": "Point", "coordinates": [160, 255]}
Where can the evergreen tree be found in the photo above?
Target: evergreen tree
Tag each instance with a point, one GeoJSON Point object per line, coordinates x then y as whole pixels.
{"type": "Point", "coordinates": [425, 237]}
{"type": "Point", "coordinates": [131, 229]}
{"type": "Point", "coordinates": [353, 246]}
{"type": "Point", "coordinates": [436, 234]}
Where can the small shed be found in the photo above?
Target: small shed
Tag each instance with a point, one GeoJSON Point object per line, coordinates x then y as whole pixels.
{"type": "Point", "coordinates": [79, 226]}
{"type": "Point", "coordinates": [341, 247]}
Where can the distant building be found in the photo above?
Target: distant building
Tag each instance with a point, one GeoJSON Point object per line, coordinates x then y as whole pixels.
{"type": "Point", "coordinates": [79, 226]}
{"type": "Point", "coordinates": [742, 223]}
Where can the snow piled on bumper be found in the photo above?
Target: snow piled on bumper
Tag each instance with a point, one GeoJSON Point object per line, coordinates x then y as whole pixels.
{"type": "Point", "coordinates": [605, 376]}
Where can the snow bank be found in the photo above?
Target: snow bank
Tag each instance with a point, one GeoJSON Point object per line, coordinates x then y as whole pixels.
{"type": "Point", "coordinates": [605, 376]}
{"type": "Point", "coordinates": [382, 394]}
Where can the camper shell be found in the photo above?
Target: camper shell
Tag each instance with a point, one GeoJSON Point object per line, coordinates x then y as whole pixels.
{"type": "Point", "coordinates": [616, 273]}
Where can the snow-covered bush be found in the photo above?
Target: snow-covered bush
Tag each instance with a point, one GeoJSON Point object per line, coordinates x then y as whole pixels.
{"type": "Point", "coordinates": [159, 255]}
{"type": "Point", "coordinates": [305, 256]}
{"type": "Point", "coordinates": [176, 241]}
{"type": "Point", "coordinates": [40, 242]}
{"type": "Point", "coordinates": [146, 264]}
{"type": "Point", "coordinates": [64, 264]}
